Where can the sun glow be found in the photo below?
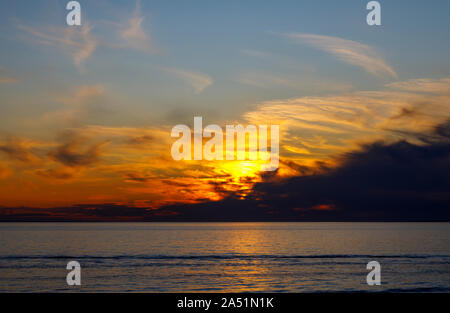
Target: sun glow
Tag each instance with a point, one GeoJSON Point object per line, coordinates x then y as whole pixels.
{"type": "Point", "coordinates": [242, 169]}
{"type": "Point", "coordinates": [240, 176]}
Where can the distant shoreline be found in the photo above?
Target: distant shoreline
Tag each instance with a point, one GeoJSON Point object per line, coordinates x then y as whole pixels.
{"type": "Point", "coordinates": [229, 221]}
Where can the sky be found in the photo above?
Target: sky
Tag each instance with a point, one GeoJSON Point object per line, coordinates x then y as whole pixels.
{"type": "Point", "coordinates": [86, 111]}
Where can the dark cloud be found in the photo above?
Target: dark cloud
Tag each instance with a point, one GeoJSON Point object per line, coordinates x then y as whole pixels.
{"type": "Point", "coordinates": [16, 150]}
{"type": "Point", "coordinates": [73, 152]}
{"type": "Point", "coordinates": [443, 130]}
{"type": "Point", "coordinates": [56, 173]}
{"type": "Point", "coordinates": [82, 212]}
{"type": "Point", "coordinates": [138, 178]}
{"type": "Point", "coordinates": [303, 169]}
{"type": "Point", "coordinates": [380, 181]}
{"type": "Point", "coordinates": [140, 140]}
{"type": "Point", "coordinates": [405, 113]}
{"type": "Point", "coordinates": [439, 134]}
{"type": "Point", "coordinates": [174, 183]}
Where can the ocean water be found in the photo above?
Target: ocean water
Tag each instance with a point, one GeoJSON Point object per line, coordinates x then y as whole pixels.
{"type": "Point", "coordinates": [224, 257]}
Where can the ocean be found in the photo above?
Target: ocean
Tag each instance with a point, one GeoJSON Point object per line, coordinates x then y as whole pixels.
{"type": "Point", "coordinates": [224, 257]}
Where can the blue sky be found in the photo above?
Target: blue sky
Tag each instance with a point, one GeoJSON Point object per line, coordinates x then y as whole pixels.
{"type": "Point", "coordinates": [211, 37]}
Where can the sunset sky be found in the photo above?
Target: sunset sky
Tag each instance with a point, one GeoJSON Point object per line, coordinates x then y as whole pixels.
{"type": "Point", "coordinates": [86, 112]}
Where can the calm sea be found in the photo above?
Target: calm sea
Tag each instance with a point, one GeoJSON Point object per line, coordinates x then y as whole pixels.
{"type": "Point", "coordinates": [224, 257]}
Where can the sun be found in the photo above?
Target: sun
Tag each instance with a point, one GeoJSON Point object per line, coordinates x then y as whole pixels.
{"type": "Point", "coordinates": [238, 176]}
{"type": "Point", "coordinates": [239, 170]}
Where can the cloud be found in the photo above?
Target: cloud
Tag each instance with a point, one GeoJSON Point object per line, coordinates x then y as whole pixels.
{"type": "Point", "coordinates": [57, 173]}
{"type": "Point", "coordinates": [141, 140]}
{"type": "Point", "coordinates": [325, 125]}
{"type": "Point", "coordinates": [379, 181]}
{"type": "Point", "coordinates": [198, 81]}
{"type": "Point", "coordinates": [134, 35]}
{"type": "Point", "coordinates": [131, 136]}
{"type": "Point", "coordinates": [81, 212]}
{"type": "Point", "coordinates": [137, 177]}
{"type": "Point", "coordinates": [263, 79]}
{"type": "Point", "coordinates": [72, 154]}
{"type": "Point", "coordinates": [348, 51]}
{"type": "Point", "coordinates": [80, 43]}
{"type": "Point", "coordinates": [137, 164]}
{"type": "Point", "coordinates": [17, 149]}
{"type": "Point", "coordinates": [77, 41]}
{"type": "Point", "coordinates": [423, 85]}
{"type": "Point", "coordinates": [83, 94]}
{"type": "Point", "coordinates": [78, 105]}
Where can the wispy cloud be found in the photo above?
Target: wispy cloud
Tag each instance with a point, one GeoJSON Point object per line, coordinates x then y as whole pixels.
{"type": "Point", "coordinates": [134, 35]}
{"type": "Point", "coordinates": [423, 85]}
{"type": "Point", "coordinates": [327, 124]}
{"type": "Point", "coordinates": [83, 94]}
{"type": "Point", "coordinates": [348, 51]}
{"type": "Point", "coordinates": [264, 79]}
{"type": "Point", "coordinates": [79, 103]}
{"type": "Point", "coordinates": [77, 41]}
{"type": "Point", "coordinates": [198, 81]}
{"type": "Point", "coordinates": [80, 43]}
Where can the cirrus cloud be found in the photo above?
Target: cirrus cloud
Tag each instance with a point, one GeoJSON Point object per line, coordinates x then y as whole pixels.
{"type": "Point", "coordinates": [78, 42]}
{"type": "Point", "coordinates": [198, 81]}
{"type": "Point", "coordinates": [133, 34]}
{"type": "Point", "coordinates": [348, 51]}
